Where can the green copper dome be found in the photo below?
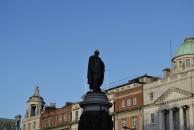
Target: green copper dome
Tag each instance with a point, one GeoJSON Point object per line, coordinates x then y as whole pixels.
{"type": "Point", "coordinates": [186, 48]}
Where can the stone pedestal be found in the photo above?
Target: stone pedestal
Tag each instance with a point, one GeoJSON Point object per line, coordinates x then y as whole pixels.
{"type": "Point", "coordinates": [95, 114]}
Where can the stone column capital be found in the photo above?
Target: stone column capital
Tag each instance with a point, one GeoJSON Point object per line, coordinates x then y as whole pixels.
{"type": "Point", "coordinates": [185, 107]}
{"type": "Point", "coordinates": [166, 110]}
{"type": "Point", "coordinates": [175, 109]}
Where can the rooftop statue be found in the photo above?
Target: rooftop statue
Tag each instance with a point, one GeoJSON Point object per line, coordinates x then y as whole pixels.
{"type": "Point", "coordinates": [96, 70]}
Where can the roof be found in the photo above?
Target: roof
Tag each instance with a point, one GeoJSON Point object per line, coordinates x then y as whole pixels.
{"type": "Point", "coordinates": [7, 120]}
{"type": "Point", "coordinates": [36, 96]}
{"type": "Point", "coordinates": [135, 80]}
{"type": "Point", "coordinates": [186, 48]}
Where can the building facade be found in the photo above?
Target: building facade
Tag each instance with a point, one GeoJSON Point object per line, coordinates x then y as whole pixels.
{"type": "Point", "coordinates": [111, 97]}
{"type": "Point", "coordinates": [128, 104]}
{"type": "Point", "coordinates": [143, 103]}
{"type": "Point", "coordinates": [53, 118]}
{"type": "Point", "coordinates": [169, 102]}
{"type": "Point", "coordinates": [10, 124]}
{"type": "Point", "coordinates": [35, 106]}
{"type": "Point", "coordinates": [127, 100]}
{"type": "Point", "coordinates": [76, 113]}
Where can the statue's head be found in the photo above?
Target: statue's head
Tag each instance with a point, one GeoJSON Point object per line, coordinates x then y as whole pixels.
{"type": "Point", "coordinates": [96, 52]}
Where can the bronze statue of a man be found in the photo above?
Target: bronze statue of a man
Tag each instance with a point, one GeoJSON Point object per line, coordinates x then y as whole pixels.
{"type": "Point", "coordinates": [96, 70]}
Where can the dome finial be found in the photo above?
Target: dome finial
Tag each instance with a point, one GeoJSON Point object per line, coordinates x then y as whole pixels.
{"type": "Point", "coordinates": [36, 91]}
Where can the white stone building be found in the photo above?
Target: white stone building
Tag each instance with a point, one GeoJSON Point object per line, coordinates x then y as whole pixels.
{"type": "Point", "coordinates": [35, 105]}
{"type": "Point", "coordinates": [169, 102]}
{"type": "Point", "coordinates": [76, 113]}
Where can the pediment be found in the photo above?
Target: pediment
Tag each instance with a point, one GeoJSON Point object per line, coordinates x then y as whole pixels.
{"type": "Point", "coordinates": [173, 94]}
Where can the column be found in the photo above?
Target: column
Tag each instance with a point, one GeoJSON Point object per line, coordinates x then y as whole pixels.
{"type": "Point", "coordinates": [36, 110]}
{"type": "Point", "coordinates": [171, 119]}
{"type": "Point", "coordinates": [191, 116]}
{"type": "Point", "coordinates": [181, 118]}
{"type": "Point", "coordinates": [116, 122]}
{"type": "Point", "coordinates": [161, 122]}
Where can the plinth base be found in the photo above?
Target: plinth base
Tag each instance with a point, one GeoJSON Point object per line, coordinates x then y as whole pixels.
{"type": "Point", "coordinates": [95, 121]}
{"type": "Point", "coordinates": [95, 114]}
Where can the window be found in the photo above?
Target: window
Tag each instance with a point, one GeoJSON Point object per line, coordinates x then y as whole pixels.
{"type": "Point", "coordinates": [76, 115]}
{"type": "Point", "coordinates": [34, 125]}
{"type": "Point", "coordinates": [24, 127]}
{"type": "Point", "coordinates": [134, 101]}
{"type": "Point", "coordinates": [57, 118]}
{"type": "Point", "coordinates": [134, 121]}
{"type": "Point", "coordinates": [60, 117]}
{"type": "Point", "coordinates": [193, 60]}
{"type": "Point", "coordinates": [47, 122]}
{"type": "Point", "coordinates": [123, 103]}
{"type": "Point", "coordinates": [129, 102]}
{"type": "Point", "coordinates": [180, 64]}
{"type": "Point", "coordinates": [33, 110]}
{"type": "Point", "coordinates": [29, 126]}
{"type": "Point", "coordinates": [68, 116]}
{"type": "Point", "coordinates": [65, 116]}
{"type": "Point", "coordinates": [183, 64]}
{"type": "Point", "coordinates": [152, 118]}
{"type": "Point", "coordinates": [151, 96]}
{"type": "Point", "coordinates": [187, 63]}
{"type": "Point", "coordinates": [123, 123]}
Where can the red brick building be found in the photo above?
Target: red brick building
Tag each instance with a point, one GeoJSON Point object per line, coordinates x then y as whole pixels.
{"type": "Point", "coordinates": [53, 118]}
{"type": "Point", "coordinates": [128, 104]}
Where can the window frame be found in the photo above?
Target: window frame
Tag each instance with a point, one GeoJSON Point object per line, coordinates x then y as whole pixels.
{"type": "Point", "coordinates": [134, 122]}
{"type": "Point", "coordinates": [129, 102]}
{"type": "Point", "coordinates": [134, 101]}
{"type": "Point", "coordinates": [123, 103]}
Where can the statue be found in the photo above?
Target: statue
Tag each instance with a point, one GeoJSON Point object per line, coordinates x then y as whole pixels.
{"type": "Point", "coordinates": [95, 104]}
{"type": "Point", "coordinates": [96, 70]}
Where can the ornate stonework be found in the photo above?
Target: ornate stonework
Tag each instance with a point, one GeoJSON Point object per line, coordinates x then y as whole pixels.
{"type": "Point", "coordinates": [173, 94]}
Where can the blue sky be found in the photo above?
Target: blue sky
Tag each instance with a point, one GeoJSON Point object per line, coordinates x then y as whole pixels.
{"type": "Point", "coordinates": [48, 42]}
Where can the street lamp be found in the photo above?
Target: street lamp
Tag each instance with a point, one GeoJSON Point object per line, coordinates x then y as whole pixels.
{"type": "Point", "coordinates": [127, 128]}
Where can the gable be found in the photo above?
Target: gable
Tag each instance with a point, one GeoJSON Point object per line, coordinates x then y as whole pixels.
{"type": "Point", "coordinates": [173, 94]}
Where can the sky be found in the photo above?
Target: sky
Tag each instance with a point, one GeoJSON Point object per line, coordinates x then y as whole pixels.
{"type": "Point", "coordinates": [48, 43]}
